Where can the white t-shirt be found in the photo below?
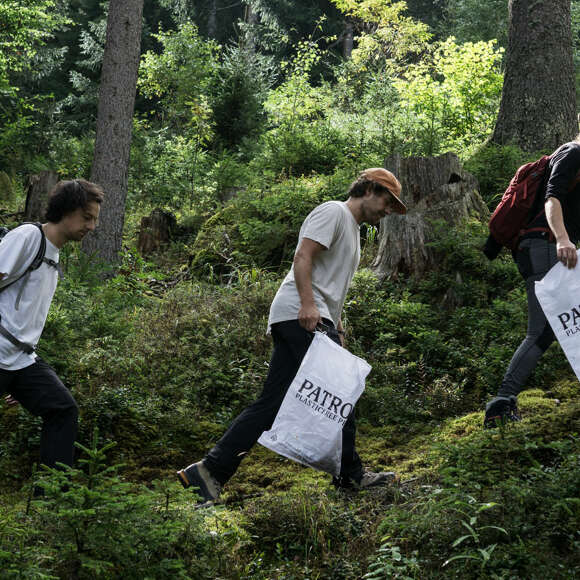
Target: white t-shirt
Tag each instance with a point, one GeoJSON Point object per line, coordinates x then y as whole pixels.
{"type": "Point", "coordinates": [17, 250]}
{"type": "Point", "coordinates": [332, 225]}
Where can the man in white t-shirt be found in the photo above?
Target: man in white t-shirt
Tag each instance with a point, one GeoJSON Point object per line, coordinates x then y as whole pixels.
{"type": "Point", "coordinates": [29, 271]}
{"type": "Point", "coordinates": [312, 295]}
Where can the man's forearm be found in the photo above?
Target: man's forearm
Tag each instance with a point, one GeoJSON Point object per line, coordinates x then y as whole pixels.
{"type": "Point", "coordinates": [303, 278]}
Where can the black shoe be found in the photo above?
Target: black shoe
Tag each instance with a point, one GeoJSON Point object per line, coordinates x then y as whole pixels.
{"type": "Point", "coordinates": [368, 479]}
{"type": "Point", "coordinates": [501, 410]}
{"type": "Point", "coordinates": [198, 476]}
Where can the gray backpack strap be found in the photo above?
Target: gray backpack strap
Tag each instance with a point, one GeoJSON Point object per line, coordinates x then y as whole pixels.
{"type": "Point", "coordinates": [27, 348]}
{"type": "Point", "coordinates": [37, 260]}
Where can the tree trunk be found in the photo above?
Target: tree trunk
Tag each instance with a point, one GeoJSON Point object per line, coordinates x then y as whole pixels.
{"type": "Point", "coordinates": [114, 124]}
{"type": "Point", "coordinates": [155, 230]}
{"type": "Point", "coordinates": [348, 40]}
{"type": "Point", "coordinates": [538, 104]}
{"type": "Point", "coordinates": [434, 188]}
{"type": "Point", "coordinates": [212, 19]}
{"type": "Point", "coordinates": [251, 19]}
{"type": "Point", "coordinates": [37, 190]}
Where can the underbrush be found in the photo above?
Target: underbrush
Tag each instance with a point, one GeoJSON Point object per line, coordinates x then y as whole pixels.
{"type": "Point", "coordinates": [163, 372]}
{"type": "Point", "coordinates": [506, 504]}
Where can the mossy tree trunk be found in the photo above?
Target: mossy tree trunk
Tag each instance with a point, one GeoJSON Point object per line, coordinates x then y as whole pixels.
{"type": "Point", "coordinates": [538, 104]}
{"type": "Point", "coordinates": [434, 188]}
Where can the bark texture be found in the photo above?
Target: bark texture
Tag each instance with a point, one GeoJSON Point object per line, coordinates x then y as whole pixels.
{"type": "Point", "coordinates": [538, 104]}
{"type": "Point", "coordinates": [114, 124]}
{"type": "Point", "coordinates": [434, 188]}
{"type": "Point", "coordinates": [155, 230]}
{"type": "Point", "coordinates": [37, 190]}
{"type": "Point", "coordinates": [212, 19]}
{"type": "Point", "coordinates": [348, 40]}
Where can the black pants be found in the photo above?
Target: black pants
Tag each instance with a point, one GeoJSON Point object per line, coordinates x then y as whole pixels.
{"type": "Point", "coordinates": [41, 392]}
{"type": "Point", "coordinates": [534, 258]}
{"type": "Point", "coordinates": [291, 342]}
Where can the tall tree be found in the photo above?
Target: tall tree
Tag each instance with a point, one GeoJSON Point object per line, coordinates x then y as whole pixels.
{"type": "Point", "coordinates": [115, 122]}
{"type": "Point", "coordinates": [538, 105]}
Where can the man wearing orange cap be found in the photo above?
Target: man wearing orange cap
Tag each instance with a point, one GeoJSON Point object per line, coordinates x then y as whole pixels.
{"type": "Point", "coordinates": [312, 295]}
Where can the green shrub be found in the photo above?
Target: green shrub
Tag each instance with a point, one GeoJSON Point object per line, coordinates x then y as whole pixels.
{"type": "Point", "coordinates": [494, 166]}
{"type": "Point", "coordinates": [90, 523]}
{"type": "Point", "coordinates": [303, 148]}
{"type": "Point", "coordinates": [259, 227]}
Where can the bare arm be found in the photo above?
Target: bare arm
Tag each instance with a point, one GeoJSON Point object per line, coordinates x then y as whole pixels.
{"type": "Point", "coordinates": [308, 315]}
{"type": "Point", "coordinates": [565, 248]}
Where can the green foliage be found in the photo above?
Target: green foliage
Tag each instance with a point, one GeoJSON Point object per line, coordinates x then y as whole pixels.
{"type": "Point", "coordinates": [390, 563]}
{"type": "Point", "coordinates": [24, 26]}
{"type": "Point", "coordinates": [306, 525]}
{"type": "Point", "coordinates": [472, 21]}
{"type": "Point", "coordinates": [260, 227]}
{"type": "Point", "coordinates": [161, 357]}
{"type": "Point", "coordinates": [494, 165]}
{"type": "Point", "coordinates": [303, 148]}
{"type": "Point", "coordinates": [392, 40]}
{"type": "Point", "coordinates": [93, 524]}
{"type": "Point", "coordinates": [426, 337]}
{"type": "Point", "coordinates": [170, 170]}
{"type": "Point", "coordinates": [240, 88]}
{"type": "Point", "coordinates": [72, 156]}
{"type": "Point", "coordinates": [450, 100]}
{"type": "Point", "coordinates": [180, 75]}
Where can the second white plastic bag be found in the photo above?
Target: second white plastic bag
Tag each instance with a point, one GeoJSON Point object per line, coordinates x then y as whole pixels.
{"type": "Point", "coordinates": [559, 296]}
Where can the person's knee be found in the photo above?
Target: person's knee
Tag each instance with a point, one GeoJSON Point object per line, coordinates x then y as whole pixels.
{"type": "Point", "coordinates": [65, 408]}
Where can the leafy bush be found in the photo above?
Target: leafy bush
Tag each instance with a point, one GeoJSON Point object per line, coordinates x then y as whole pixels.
{"type": "Point", "coordinates": [450, 100]}
{"type": "Point", "coordinates": [259, 227]}
{"type": "Point", "coordinates": [90, 523]}
{"type": "Point", "coordinates": [303, 148]}
{"type": "Point", "coordinates": [494, 166]}
{"type": "Point", "coordinates": [240, 89]}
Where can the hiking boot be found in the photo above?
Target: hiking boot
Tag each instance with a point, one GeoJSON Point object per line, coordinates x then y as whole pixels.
{"type": "Point", "coordinates": [368, 479]}
{"type": "Point", "coordinates": [501, 410]}
{"type": "Point", "coordinates": [197, 475]}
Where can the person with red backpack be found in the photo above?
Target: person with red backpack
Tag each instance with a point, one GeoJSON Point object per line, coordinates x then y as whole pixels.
{"type": "Point", "coordinates": [549, 233]}
{"type": "Point", "coordinates": [29, 272]}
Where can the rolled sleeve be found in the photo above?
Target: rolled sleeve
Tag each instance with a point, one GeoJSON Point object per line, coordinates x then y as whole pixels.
{"type": "Point", "coordinates": [321, 224]}
{"type": "Point", "coordinates": [564, 167]}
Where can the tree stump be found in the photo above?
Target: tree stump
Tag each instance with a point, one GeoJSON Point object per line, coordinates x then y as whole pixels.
{"type": "Point", "coordinates": [155, 230]}
{"type": "Point", "coordinates": [6, 187]}
{"type": "Point", "coordinates": [434, 188]}
{"type": "Point", "coordinates": [37, 190]}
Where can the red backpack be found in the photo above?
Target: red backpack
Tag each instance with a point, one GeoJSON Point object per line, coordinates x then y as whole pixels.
{"type": "Point", "coordinates": [510, 218]}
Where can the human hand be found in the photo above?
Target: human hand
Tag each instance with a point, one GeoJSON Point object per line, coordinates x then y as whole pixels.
{"type": "Point", "coordinates": [309, 317]}
{"type": "Point", "coordinates": [10, 400]}
{"type": "Point", "coordinates": [566, 251]}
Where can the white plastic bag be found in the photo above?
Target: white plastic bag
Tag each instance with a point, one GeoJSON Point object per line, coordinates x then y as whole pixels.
{"type": "Point", "coordinates": [559, 296]}
{"type": "Point", "coordinates": [308, 426]}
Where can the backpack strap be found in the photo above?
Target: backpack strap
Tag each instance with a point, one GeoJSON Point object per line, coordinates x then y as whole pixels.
{"type": "Point", "coordinates": [38, 259]}
{"type": "Point", "coordinates": [27, 348]}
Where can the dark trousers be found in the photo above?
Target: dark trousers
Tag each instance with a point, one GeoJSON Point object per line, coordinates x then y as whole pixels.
{"type": "Point", "coordinates": [291, 342]}
{"type": "Point", "coordinates": [534, 258]}
{"type": "Point", "coordinates": [41, 392]}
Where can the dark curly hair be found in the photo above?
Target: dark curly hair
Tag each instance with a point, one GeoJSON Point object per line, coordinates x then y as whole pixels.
{"type": "Point", "coordinates": [68, 196]}
{"type": "Point", "coordinates": [361, 185]}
